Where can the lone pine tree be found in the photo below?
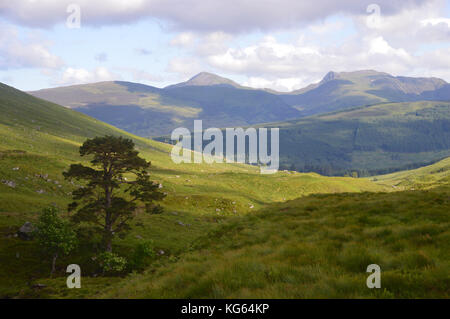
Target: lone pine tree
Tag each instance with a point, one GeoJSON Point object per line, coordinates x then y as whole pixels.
{"type": "Point", "coordinates": [109, 198]}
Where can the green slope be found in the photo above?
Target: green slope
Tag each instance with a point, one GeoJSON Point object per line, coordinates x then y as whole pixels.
{"type": "Point", "coordinates": [370, 140]}
{"type": "Point", "coordinates": [39, 140]}
{"type": "Point", "coordinates": [426, 177]}
{"type": "Point", "coordinates": [314, 247]}
{"type": "Point", "coordinates": [150, 111]}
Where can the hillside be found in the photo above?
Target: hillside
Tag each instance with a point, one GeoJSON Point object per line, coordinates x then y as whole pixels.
{"type": "Point", "coordinates": [427, 177]}
{"type": "Point", "coordinates": [149, 111]}
{"type": "Point", "coordinates": [314, 247]}
{"type": "Point", "coordinates": [39, 140]}
{"type": "Point", "coordinates": [369, 140]}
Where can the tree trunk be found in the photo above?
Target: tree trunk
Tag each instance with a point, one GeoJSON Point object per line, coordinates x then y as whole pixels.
{"type": "Point", "coordinates": [108, 223]}
{"type": "Point", "coordinates": [108, 217]}
{"type": "Point", "coordinates": [54, 264]}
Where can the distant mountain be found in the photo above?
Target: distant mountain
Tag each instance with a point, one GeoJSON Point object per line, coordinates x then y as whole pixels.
{"type": "Point", "coordinates": [149, 111]}
{"type": "Point", "coordinates": [337, 91]}
{"type": "Point", "coordinates": [206, 79]}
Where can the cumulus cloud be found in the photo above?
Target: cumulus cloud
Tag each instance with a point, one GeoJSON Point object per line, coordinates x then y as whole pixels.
{"type": "Point", "coordinates": [72, 76]}
{"type": "Point", "coordinates": [209, 37]}
{"type": "Point", "coordinates": [212, 15]}
{"type": "Point", "coordinates": [185, 66]}
{"type": "Point", "coordinates": [394, 44]}
{"type": "Point", "coordinates": [283, 66]}
{"type": "Point", "coordinates": [183, 39]}
{"type": "Point", "coordinates": [410, 28]}
{"type": "Point", "coordinates": [16, 53]}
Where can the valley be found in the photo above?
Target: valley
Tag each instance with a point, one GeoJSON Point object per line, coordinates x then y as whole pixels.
{"type": "Point", "coordinates": [228, 231]}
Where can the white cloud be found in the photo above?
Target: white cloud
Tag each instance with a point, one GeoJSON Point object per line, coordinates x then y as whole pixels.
{"type": "Point", "coordinates": [281, 85]}
{"type": "Point", "coordinates": [435, 21]}
{"type": "Point", "coordinates": [185, 67]}
{"type": "Point", "coordinates": [326, 27]}
{"type": "Point", "coordinates": [72, 76]}
{"type": "Point", "coordinates": [183, 39]}
{"type": "Point", "coordinates": [16, 53]}
{"type": "Point", "coordinates": [212, 15]}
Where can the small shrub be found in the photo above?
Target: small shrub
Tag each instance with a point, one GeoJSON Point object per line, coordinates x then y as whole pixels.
{"type": "Point", "coordinates": [111, 263]}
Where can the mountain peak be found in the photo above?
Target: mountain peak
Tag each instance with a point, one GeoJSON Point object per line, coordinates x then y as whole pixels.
{"type": "Point", "coordinates": [206, 79]}
{"type": "Point", "coordinates": [329, 76]}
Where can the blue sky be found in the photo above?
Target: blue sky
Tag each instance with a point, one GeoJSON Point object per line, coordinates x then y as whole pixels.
{"type": "Point", "coordinates": [282, 45]}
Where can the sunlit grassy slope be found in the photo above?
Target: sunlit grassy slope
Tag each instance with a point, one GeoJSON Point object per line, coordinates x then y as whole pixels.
{"type": "Point", "coordinates": [314, 247]}
{"type": "Point", "coordinates": [421, 178]}
{"type": "Point", "coordinates": [39, 140]}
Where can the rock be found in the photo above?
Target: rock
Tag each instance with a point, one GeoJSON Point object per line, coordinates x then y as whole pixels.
{"type": "Point", "coordinates": [251, 206]}
{"type": "Point", "coordinates": [180, 223]}
{"type": "Point", "coordinates": [161, 252]}
{"type": "Point", "coordinates": [26, 231]}
{"type": "Point", "coordinates": [9, 183]}
{"type": "Point", "coordinates": [16, 168]}
{"type": "Point", "coordinates": [40, 191]}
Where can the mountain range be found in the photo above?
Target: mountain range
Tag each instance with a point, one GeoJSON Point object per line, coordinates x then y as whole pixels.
{"type": "Point", "coordinates": [150, 111]}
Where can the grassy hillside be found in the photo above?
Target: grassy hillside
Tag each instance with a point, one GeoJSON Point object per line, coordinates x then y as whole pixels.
{"type": "Point", "coordinates": [39, 140]}
{"type": "Point", "coordinates": [314, 247]}
{"type": "Point", "coordinates": [426, 177]}
{"type": "Point", "coordinates": [369, 140]}
{"type": "Point", "coordinates": [149, 111]}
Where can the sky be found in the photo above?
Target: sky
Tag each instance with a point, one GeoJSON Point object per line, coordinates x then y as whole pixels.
{"type": "Point", "coordinates": [279, 44]}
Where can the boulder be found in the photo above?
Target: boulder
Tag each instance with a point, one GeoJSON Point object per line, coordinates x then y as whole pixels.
{"type": "Point", "coordinates": [26, 231]}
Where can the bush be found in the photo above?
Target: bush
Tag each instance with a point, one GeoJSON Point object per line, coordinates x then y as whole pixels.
{"type": "Point", "coordinates": [142, 255]}
{"type": "Point", "coordinates": [111, 263]}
